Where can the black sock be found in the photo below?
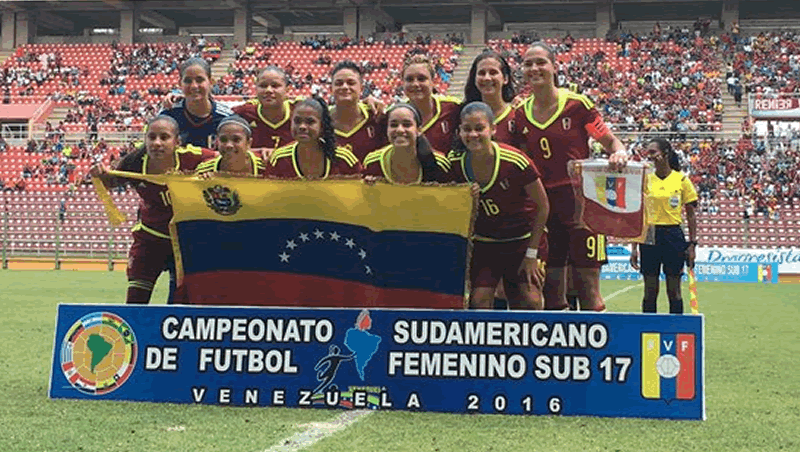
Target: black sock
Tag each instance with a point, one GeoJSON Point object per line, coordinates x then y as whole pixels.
{"type": "Point", "coordinates": [676, 306]}
{"type": "Point", "coordinates": [572, 300]}
{"type": "Point", "coordinates": [649, 306]}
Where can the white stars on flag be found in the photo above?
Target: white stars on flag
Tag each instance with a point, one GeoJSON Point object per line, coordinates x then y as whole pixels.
{"type": "Point", "coordinates": [304, 239]}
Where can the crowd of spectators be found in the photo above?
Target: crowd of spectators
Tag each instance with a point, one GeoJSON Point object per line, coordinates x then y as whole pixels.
{"type": "Point", "coordinates": [20, 75]}
{"type": "Point", "coordinates": [767, 63]}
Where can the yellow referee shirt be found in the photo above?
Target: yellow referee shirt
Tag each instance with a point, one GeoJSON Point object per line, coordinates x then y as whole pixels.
{"type": "Point", "coordinates": [668, 196]}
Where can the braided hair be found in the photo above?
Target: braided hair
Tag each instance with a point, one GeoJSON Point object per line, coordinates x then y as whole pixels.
{"type": "Point", "coordinates": [327, 135]}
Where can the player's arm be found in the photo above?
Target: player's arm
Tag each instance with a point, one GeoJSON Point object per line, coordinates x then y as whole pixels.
{"type": "Point", "coordinates": [635, 256]}
{"type": "Point", "coordinates": [597, 129]}
{"type": "Point", "coordinates": [530, 264]}
{"type": "Point", "coordinates": [691, 221]}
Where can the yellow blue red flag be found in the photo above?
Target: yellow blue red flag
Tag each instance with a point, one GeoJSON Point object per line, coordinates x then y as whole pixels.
{"type": "Point", "coordinates": [319, 243]}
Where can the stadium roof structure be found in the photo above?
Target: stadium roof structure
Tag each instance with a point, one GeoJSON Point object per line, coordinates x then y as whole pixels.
{"type": "Point", "coordinates": [72, 17]}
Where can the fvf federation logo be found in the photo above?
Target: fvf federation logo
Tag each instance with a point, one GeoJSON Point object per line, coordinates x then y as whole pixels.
{"type": "Point", "coordinates": [668, 366]}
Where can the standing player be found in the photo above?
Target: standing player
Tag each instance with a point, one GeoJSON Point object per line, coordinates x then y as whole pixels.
{"type": "Point", "coordinates": [314, 154]}
{"type": "Point", "coordinates": [358, 128]}
{"type": "Point", "coordinates": [490, 81]}
{"type": "Point", "coordinates": [269, 113]}
{"type": "Point", "coordinates": [234, 139]}
{"type": "Point", "coordinates": [512, 213]}
{"type": "Point", "coordinates": [669, 190]}
{"type": "Point", "coordinates": [197, 114]}
{"type": "Point", "coordinates": [439, 113]}
{"type": "Point", "coordinates": [554, 127]}
{"type": "Point", "coordinates": [151, 252]}
{"type": "Point", "coordinates": [409, 157]}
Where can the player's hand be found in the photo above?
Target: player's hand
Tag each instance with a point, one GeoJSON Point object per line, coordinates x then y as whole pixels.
{"type": "Point", "coordinates": [529, 270]}
{"type": "Point", "coordinates": [206, 176]}
{"type": "Point", "coordinates": [635, 258]}
{"type": "Point", "coordinates": [618, 160]}
{"type": "Point", "coordinates": [690, 256]}
{"type": "Point", "coordinates": [376, 106]}
{"type": "Point", "coordinates": [370, 180]}
{"type": "Point", "coordinates": [476, 190]}
{"type": "Point", "coordinates": [170, 100]}
{"type": "Point", "coordinates": [517, 101]}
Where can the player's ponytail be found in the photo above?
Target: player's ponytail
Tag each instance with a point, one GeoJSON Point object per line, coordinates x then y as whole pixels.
{"type": "Point", "coordinates": [327, 136]}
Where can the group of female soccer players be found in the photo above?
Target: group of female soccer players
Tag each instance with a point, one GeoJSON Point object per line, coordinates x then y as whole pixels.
{"type": "Point", "coordinates": [514, 155]}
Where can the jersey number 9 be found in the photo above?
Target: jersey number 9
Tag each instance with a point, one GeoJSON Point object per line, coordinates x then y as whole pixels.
{"type": "Point", "coordinates": [544, 145]}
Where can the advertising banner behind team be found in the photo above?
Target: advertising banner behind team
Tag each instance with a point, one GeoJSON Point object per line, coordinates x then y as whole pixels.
{"type": "Point", "coordinates": [534, 363]}
{"type": "Point", "coordinates": [786, 106]}
{"type": "Point", "coordinates": [735, 272]}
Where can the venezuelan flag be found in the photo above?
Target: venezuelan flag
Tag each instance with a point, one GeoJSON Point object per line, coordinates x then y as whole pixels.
{"type": "Point", "coordinates": [657, 380]}
{"type": "Point", "coordinates": [333, 243]}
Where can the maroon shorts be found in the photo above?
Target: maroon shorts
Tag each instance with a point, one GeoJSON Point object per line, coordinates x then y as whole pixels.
{"type": "Point", "coordinates": [568, 241]}
{"type": "Point", "coordinates": [148, 257]}
{"type": "Point", "coordinates": [493, 261]}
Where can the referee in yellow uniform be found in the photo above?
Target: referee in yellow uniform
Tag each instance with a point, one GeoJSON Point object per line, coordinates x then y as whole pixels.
{"type": "Point", "coordinates": [670, 190]}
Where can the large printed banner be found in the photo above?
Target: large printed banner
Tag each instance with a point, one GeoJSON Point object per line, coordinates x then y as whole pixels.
{"type": "Point", "coordinates": [775, 108]}
{"type": "Point", "coordinates": [532, 363]}
{"type": "Point", "coordinates": [734, 272]}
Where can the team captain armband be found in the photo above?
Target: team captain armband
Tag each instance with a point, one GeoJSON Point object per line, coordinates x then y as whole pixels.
{"type": "Point", "coordinates": [597, 128]}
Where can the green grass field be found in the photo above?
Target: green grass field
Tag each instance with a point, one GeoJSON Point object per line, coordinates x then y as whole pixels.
{"type": "Point", "coordinates": [752, 390]}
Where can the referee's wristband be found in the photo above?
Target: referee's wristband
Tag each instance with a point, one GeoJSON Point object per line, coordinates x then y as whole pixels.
{"type": "Point", "coordinates": [531, 253]}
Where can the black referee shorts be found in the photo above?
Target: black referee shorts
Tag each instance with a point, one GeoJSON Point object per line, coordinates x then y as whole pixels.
{"type": "Point", "coordinates": [669, 251]}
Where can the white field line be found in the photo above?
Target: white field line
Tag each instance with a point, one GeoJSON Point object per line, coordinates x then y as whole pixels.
{"type": "Point", "coordinates": [622, 291]}
{"type": "Point", "coordinates": [316, 431]}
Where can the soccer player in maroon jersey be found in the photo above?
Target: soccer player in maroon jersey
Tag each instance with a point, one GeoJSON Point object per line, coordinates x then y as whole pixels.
{"type": "Point", "coordinates": [358, 127]}
{"type": "Point", "coordinates": [314, 154]}
{"type": "Point", "coordinates": [439, 113]}
{"type": "Point", "coordinates": [234, 139]}
{"type": "Point", "coordinates": [491, 81]}
{"type": "Point", "coordinates": [409, 157]}
{"type": "Point", "coordinates": [511, 216]}
{"type": "Point", "coordinates": [269, 113]}
{"type": "Point", "coordinates": [151, 252]}
{"type": "Point", "coordinates": [554, 127]}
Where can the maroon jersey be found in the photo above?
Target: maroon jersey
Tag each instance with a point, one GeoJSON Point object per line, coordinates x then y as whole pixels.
{"type": "Point", "coordinates": [564, 137]}
{"type": "Point", "coordinates": [212, 165]}
{"type": "Point", "coordinates": [283, 164]}
{"type": "Point", "coordinates": [441, 128]}
{"type": "Point", "coordinates": [506, 212]}
{"type": "Point", "coordinates": [506, 123]}
{"type": "Point", "coordinates": [155, 205]}
{"type": "Point", "coordinates": [378, 163]}
{"type": "Point", "coordinates": [265, 133]}
{"type": "Point", "coordinates": [367, 136]}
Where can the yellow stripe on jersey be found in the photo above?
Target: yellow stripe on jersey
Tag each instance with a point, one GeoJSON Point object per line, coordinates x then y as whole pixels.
{"type": "Point", "coordinates": [190, 149]}
{"type": "Point", "coordinates": [582, 98]}
{"type": "Point", "coordinates": [443, 162]}
{"type": "Point", "coordinates": [376, 155]}
{"type": "Point", "coordinates": [285, 151]}
{"type": "Point", "coordinates": [528, 109]}
{"type": "Point", "coordinates": [667, 197]}
{"type": "Point", "coordinates": [513, 157]}
{"type": "Point", "coordinates": [503, 115]}
{"type": "Point", "coordinates": [142, 227]}
{"type": "Point", "coordinates": [346, 155]}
